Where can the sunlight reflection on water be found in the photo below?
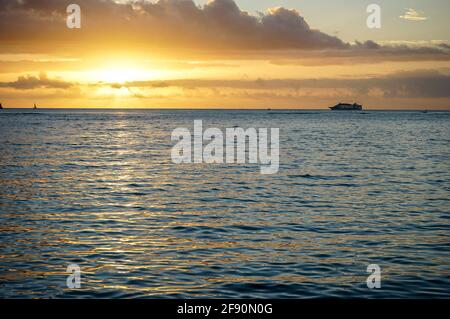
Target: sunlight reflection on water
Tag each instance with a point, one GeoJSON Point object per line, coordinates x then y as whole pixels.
{"type": "Point", "coordinates": [98, 188]}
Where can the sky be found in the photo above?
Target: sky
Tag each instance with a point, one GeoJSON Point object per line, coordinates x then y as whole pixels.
{"type": "Point", "coordinates": [225, 54]}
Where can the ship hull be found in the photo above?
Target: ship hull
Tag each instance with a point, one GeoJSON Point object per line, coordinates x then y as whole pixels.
{"type": "Point", "coordinates": [346, 107]}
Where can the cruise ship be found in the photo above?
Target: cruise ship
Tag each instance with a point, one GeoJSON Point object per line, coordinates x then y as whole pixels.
{"type": "Point", "coordinates": [347, 107]}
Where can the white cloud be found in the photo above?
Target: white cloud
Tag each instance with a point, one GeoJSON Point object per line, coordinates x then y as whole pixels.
{"type": "Point", "coordinates": [413, 15]}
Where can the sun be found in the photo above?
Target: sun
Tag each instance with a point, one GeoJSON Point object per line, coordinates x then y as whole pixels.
{"type": "Point", "coordinates": [121, 70]}
{"type": "Point", "coordinates": [119, 75]}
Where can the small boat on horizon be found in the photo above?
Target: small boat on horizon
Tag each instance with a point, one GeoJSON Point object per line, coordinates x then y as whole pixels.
{"type": "Point", "coordinates": [347, 107]}
{"type": "Point", "coordinates": [35, 107]}
{"type": "Point", "coordinates": [1, 106]}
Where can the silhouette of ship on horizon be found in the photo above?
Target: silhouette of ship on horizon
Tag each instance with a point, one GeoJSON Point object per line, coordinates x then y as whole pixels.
{"type": "Point", "coordinates": [347, 107]}
{"type": "Point", "coordinates": [1, 106]}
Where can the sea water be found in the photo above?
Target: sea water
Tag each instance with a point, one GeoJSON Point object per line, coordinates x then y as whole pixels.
{"type": "Point", "coordinates": [98, 188]}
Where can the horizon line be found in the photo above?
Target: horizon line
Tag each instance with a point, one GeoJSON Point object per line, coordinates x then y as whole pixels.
{"type": "Point", "coordinates": [219, 109]}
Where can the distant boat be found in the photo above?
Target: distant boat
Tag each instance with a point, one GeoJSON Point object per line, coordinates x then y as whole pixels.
{"type": "Point", "coordinates": [347, 107]}
{"type": "Point", "coordinates": [35, 107]}
{"type": "Point", "coordinates": [1, 107]}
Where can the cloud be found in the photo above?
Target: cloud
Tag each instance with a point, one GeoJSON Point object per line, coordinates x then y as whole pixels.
{"type": "Point", "coordinates": [417, 84]}
{"type": "Point", "coordinates": [219, 24]}
{"type": "Point", "coordinates": [404, 89]}
{"type": "Point", "coordinates": [27, 82]}
{"type": "Point", "coordinates": [413, 84]}
{"type": "Point", "coordinates": [413, 15]}
{"type": "Point", "coordinates": [180, 28]}
{"type": "Point", "coordinates": [368, 52]}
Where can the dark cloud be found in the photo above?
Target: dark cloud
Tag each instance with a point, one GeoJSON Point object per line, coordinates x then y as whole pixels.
{"type": "Point", "coordinates": [444, 46]}
{"type": "Point", "coordinates": [406, 87]}
{"type": "Point", "coordinates": [219, 24]}
{"type": "Point", "coordinates": [414, 84]}
{"type": "Point", "coordinates": [219, 28]}
{"type": "Point", "coordinates": [418, 84]}
{"type": "Point", "coordinates": [28, 82]}
{"type": "Point", "coordinates": [422, 84]}
{"type": "Point", "coordinates": [363, 53]}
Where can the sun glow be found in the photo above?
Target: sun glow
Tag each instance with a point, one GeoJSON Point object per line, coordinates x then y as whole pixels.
{"type": "Point", "coordinates": [119, 75]}
{"type": "Point", "coordinates": [121, 69]}
{"type": "Point", "coordinates": [113, 92]}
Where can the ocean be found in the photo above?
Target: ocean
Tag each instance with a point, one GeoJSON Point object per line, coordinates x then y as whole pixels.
{"type": "Point", "coordinates": [97, 188]}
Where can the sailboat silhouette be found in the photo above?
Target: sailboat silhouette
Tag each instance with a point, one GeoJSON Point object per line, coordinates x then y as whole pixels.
{"type": "Point", "coordinates": [35, 107]}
